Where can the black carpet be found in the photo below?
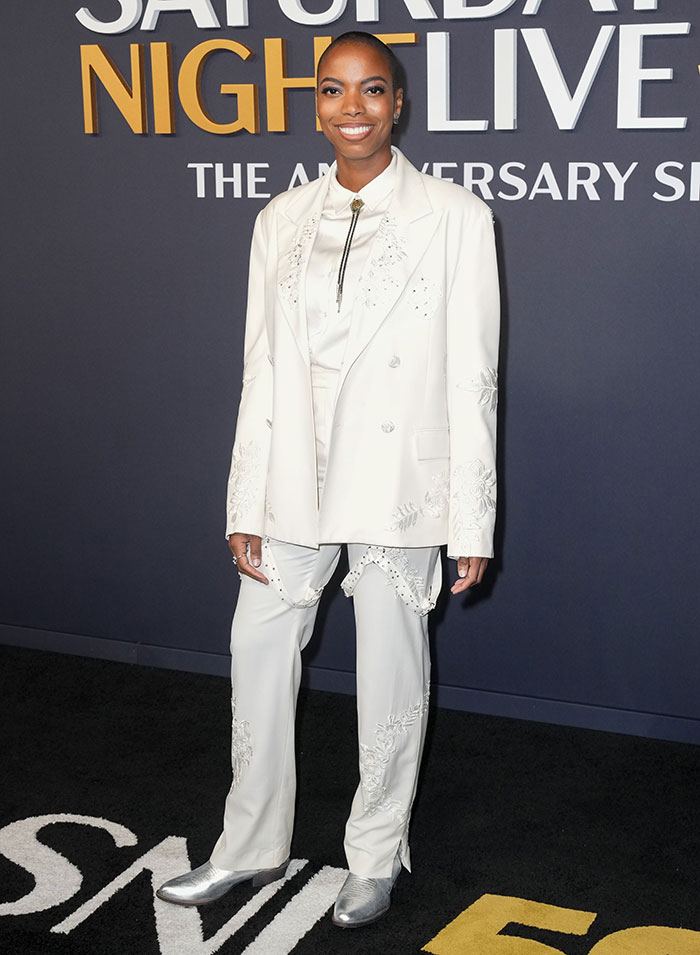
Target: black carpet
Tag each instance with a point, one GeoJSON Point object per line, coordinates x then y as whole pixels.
{"type": "Point", "coordinates": [583, 821]}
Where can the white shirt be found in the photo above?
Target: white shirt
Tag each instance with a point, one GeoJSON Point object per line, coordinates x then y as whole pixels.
{"type": "Point", "coordinates": [327, 327]}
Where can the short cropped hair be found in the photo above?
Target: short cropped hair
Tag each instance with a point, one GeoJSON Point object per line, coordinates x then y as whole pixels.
{"type": "Point", "coordinates": [369, 39]}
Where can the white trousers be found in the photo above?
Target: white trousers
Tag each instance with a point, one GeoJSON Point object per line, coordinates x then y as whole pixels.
{"type": "Point", "coordinates": [393, 589]}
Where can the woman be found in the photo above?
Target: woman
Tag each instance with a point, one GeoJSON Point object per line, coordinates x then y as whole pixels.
{"type": "Point", "coordinates": [367, 417]}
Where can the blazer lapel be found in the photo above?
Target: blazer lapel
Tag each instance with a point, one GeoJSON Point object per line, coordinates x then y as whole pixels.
{"type": "Point", "coordinates": [298, 226]}
{"type": "Point", "coordinates": [398, 247]}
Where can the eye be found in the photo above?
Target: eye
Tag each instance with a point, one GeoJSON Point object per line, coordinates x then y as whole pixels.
{"type": "Point", "coordinates": [329, 90]}
{"type": "Point", "coordinates": [375, 90]}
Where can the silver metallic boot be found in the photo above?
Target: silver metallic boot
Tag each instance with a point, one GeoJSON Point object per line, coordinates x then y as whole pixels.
{"type": "Point", "coordinates": [362, 901]}
{"type": "Point", "coordinates": [207, 883]}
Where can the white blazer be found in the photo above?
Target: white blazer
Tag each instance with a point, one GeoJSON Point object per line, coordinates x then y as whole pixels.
{"type": "Point", "coordinates": [411, 461]}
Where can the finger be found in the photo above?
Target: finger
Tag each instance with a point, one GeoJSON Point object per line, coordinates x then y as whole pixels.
{"type": "Point", "coordinates": [462, 583]}
{"type": "Point", "coordinates": [483, 564]}
{"type": "Point", "coordinates": [245, 567]}
{"type": "Point", "coordinates": [238, 548]}
{"type": "Point", "coordinates": [471, 568]}
{"type": "Point", "coordinates": [256, 551]}
{"type": "Point", "coordinates": [237, 543]}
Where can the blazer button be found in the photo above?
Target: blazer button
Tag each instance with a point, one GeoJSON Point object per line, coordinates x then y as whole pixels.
{"type": "Point", "coordinates": [388, 427]}
{"type": "Point", "coordinates": [394, 361]}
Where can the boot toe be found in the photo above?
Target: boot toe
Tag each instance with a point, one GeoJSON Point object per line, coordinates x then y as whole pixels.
{"type": "Point", "coordinates": [204, 884]}
{"type": "Point", "coordinates": [361, 901]}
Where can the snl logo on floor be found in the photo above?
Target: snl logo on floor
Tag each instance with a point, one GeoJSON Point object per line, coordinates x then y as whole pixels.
{"type": "Point", "coordinates": [482, 928]}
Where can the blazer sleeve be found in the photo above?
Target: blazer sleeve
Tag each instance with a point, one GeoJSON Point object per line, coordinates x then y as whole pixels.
{"type": "Point", "coordinates": [473, 320]}
{"type": "Point", "coordinates": [245, 498]}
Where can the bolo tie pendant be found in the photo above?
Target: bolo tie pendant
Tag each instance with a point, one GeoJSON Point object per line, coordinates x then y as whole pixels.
{"type": "Point", "coordinates": [355, 207]}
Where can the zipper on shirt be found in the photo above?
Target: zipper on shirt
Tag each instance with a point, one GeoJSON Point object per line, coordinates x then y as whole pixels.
{"type": "Point", "coordinates": [355, 206]}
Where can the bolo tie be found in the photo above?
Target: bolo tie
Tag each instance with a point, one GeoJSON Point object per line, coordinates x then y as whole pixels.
{"type": "Point", "coordinates": [355, 206]}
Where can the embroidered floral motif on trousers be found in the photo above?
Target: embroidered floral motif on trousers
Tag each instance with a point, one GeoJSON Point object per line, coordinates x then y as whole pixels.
{"type": "Point", "coordinates": [408, 584]}
{"type": "Point", "coordinates": [374, 760]}
{"type": "Point", "coordinates": [241, 746]}
{"type": "Point", "coordinates": [409, 574]}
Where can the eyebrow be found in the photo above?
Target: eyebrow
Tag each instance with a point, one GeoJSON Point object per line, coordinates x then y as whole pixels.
{"type": "Point", "coordinates": [367, 79]}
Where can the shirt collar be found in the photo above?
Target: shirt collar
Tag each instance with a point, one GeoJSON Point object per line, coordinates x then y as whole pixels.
{"type": "Point", "coordinates": [338, 198]}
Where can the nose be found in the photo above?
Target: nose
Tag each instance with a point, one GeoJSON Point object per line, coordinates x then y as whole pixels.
{"type": "Point", "coordinates": [352, 105]}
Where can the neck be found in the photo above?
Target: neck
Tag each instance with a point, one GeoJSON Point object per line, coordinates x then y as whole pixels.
{"type": "Point", "coordinates": [355, 174]}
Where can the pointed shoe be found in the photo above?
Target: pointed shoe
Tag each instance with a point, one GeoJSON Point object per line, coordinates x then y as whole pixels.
{"type": "Point", "coordinates": [362, 901]}
{"type": "Point", "coordinates": [207, 883]}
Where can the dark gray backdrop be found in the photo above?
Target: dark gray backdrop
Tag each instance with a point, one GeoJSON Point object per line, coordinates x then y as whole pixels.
{"type": "Point", "coordinates": [122, 326]}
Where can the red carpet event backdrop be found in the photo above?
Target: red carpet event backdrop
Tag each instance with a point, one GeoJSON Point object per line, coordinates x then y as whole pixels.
{"type": "Point", "coordinates": [143, 137]}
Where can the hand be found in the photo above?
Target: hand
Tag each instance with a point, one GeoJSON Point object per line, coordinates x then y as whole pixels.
{"type": "Point", "coordinates": [471, 571]}
{"type": "Point", "coordinates": [247, 564]}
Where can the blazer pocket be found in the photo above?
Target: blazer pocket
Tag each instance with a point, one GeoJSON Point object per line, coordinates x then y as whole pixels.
{"type": "Point", "coordinates": [432, 443]}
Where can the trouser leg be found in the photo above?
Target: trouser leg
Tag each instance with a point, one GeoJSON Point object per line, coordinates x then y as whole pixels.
{"type": "Point", "coordinates": [393, 590]}
{"type": "Point", "coordinates": [271, 626]}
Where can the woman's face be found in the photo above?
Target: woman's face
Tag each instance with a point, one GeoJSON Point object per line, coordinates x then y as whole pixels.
{"type": "Point", "coordinates": [355, 102]}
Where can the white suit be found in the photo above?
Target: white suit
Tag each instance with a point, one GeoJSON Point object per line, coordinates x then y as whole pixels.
{"type": "Point", "coordinates": [394, 458]}
{"type": "Point", "coordinates": [411, 461]}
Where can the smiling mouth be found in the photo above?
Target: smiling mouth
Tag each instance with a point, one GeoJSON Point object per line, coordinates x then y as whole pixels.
{"type": "Point", "coordinates": [354, 131]}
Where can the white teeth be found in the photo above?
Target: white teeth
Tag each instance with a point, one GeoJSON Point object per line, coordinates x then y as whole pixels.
{"type": "Point", "coordinates": [354, 130]}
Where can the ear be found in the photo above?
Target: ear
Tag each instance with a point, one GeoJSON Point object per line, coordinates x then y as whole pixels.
{"type": "Point", "coordinates": [398, 100]}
